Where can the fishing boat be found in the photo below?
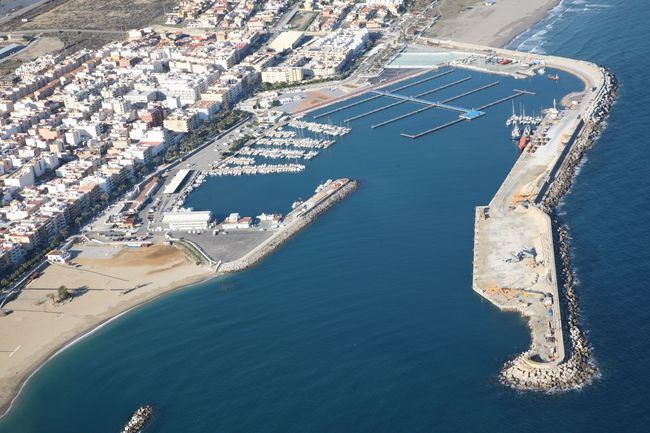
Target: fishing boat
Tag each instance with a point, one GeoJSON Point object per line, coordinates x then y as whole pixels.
{"type": "Point", "coordinates": [523, 142]}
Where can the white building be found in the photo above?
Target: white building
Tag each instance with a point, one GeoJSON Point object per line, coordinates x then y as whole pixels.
{"type": "Point", "coordinates": [280, 74]}
{"type": "Point", "coordinates": [235, 221]}
{"type": "Point", "coordinates": [187, 220]}
{"type": "Point", "coordinates": [286, 41]}
{"type": "Point", "coordinates": [58, 256]}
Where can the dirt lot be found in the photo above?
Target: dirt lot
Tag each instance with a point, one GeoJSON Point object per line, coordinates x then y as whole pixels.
{"type": "Point", "coordinates": [99, 14]}
{"type": "Point", "coordinates": [302, 19]}
{"type": "Point", "coordinates": [70, 15]}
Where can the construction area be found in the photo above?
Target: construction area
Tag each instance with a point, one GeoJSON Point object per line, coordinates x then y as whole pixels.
{"type": "Point", "coordinates": [514, 256]}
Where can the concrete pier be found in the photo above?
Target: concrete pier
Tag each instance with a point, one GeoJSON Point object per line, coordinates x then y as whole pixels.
{"type": "Point", "coordinates": [345, 107]}
{"type": "Point", "coordinates": [405, 86]}
{"type": "Point", "coordinates": [403, 116]}
{"type": "Point", "coordinates": [411, 113]}
{"type": "Point", "coordinates": [471, 92]}
{"type": "Point", "coordinates": [517, 94]}
{"type": "Point", "coordinates": [514, 265]}
{"type": "Point", "coordinates": [394, 104]}
{"type": "Point", "coordinates": [423, 80]}
{"type": "Point", "coordinates": [429, 131]}
{"type": "Point", "coordinates": [295, 221]}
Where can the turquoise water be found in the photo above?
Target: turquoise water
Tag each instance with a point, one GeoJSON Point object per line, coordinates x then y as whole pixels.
{"type": "Point", "coordinates": [366, 320]}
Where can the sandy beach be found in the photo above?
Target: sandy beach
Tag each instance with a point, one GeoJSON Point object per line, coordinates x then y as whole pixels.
{"type": "Point", "coordinates": [475, 22]}
{"type": "Point", "coordinates": [38, 327]}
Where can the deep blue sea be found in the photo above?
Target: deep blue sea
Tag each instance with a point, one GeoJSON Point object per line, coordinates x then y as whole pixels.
{"type": "Point", "coordinates": [366, 321]}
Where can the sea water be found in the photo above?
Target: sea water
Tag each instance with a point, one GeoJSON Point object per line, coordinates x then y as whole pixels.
{"type": "Point", "coordinates": [366, 320]}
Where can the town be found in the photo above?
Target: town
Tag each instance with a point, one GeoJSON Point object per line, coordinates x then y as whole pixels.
{"type": "Point", "coordinates": [84, 131]}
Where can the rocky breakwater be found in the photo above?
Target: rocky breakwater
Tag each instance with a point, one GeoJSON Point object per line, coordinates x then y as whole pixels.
{"type": "Point", "coordinates": [138, 420]}
{"type": "Point", "coordinates": [285, 233]}
{"type": "Point", "coordinates": [591, 131]}
{"type": "Point", "coordinates": [579, 368]}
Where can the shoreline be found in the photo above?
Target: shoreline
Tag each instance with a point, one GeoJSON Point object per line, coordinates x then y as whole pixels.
{"type": "Point", "coordinates": [480, 24]}
{"type": "Point", "coordinates": [7, 401]}
{"type": "Point", "coordinates": [15, 381]}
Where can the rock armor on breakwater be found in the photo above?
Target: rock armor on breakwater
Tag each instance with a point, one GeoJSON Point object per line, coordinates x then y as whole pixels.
{"type": "Point", "coordinates": [584, 142]}
{"type": "Point", "coordinates": [289, 231]}
{"type": "Point", "coordinates": [579, 369]}
{"type": "Point", "coordinates": [138, 420]}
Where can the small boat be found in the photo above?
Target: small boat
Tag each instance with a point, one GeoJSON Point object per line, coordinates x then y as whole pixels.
{"type": "Point", "coordinates": [516, 132]}
{"type": "Point", "coordinates": [554, 77]}
{"type": "Point", "coordinates": [523, 142]}
{"type": "Point", "coordinates": [541, 71]}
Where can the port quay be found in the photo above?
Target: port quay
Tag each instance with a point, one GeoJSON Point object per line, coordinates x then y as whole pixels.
{"type": "Point", "coordinates": [515, 241]}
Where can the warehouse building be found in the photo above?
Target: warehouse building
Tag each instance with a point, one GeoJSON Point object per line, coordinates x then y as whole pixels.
{"type": "Point", "coordinates": [187, 220]}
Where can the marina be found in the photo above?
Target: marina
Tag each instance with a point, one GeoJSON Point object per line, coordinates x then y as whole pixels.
{"type": "Point", "coordinates": [464, 113]}
{"type": "Point", "coordinates": [250, 169]}
{"type": "Point", "coordinates": [402, 101]}
{"type": "Point", "coordinates": [375, 318]}
{"type": "Point", "coordinates": [402, 87]}
{"type": "Point", "coordinates": [306, 143]}
{"type": "Point", "coordinates": [469, 92]}
{"type": "Point", "coordinates": [319, 128]}
{"type": "Point", "coordinates": [277, 153]}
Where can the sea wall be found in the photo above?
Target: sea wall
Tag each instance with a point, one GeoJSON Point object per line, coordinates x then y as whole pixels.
{"type": "Point", "coordinates": [284, 234]}
{"type": "Point", "coordinates": [579, 369]}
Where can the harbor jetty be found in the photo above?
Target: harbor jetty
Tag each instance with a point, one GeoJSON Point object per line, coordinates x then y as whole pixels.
{"type": "Point", "coordinates": [516, 241]}
{"type": "Point", "coordinates": [295, 221]}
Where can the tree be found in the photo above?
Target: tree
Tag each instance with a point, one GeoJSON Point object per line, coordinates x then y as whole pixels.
{"type": "Point", "coordinates": [63, 294]}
